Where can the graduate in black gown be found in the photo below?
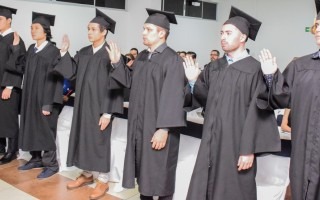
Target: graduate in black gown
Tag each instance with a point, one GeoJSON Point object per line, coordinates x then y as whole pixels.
{"type": "Point", "coordinates": [41, 99]}
{"type": "Point", "coordinates": [234, 129]}
{"type": "Point", "coordinates": [298, 88]}
{"type": "Point", "coordinates": [89, 143]}
{"type": "Point", "coordinates": [11, 51]}
{"type": "Point", "coordinates": [155, 110]}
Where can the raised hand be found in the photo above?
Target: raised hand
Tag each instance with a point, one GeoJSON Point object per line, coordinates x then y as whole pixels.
{"type": "Point", "coordinates": [268, 63]}
{"type": "Point", "coordinates": [114, 52]}
{"type": "Point", "coordinates": [191, 69]}
{"type": "Point", "coordinates": [65, 44]}
{"type": "Point", "coordinates": [16, 39]}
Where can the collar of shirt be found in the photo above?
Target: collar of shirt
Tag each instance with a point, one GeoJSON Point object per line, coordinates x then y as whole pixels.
{"type": "Point", "coordinates": [241, 56]}
{"type": "Point", "coordinates": [97, 48]}
{"type": "Point", "coordinates": [159, 49]}
{"type": "Point", "coordinates": [7, 32]}
{"type": "Point", "coordinates": [39, 48]}
{"type": "Point", "coordinates": [316, 55]}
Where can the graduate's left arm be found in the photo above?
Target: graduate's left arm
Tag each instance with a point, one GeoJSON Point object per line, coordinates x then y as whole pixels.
{"type": "Point", "coordinates": [12, 76]}
{"type": "Point", "coordinates": [171, 112]}
{"type": "Point", "coordinates": [159, 139]}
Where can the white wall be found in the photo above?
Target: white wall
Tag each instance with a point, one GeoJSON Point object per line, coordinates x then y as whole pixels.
{"type": "Point", "coordinates": [282, 30]}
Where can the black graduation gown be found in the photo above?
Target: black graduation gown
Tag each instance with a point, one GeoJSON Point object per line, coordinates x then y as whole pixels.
{"type": "Point", "coordinates": [89, 147]}
{"type": "Point", "coordinates": [233, 126]}
{"type": "Point", "coordinates": [156, 101]}
{"type": "Point", "coordinates": [42, 90]}
{"type": "Point", "coordinates": [298, 88]}
{"type": "Point", "coordinates": [10, 56]}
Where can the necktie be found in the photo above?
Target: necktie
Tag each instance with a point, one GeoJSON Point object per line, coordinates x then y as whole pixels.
{"type": "Point", "coordinates": [35, 49]}
{"type": "Point", "coordinates": [1, 36]}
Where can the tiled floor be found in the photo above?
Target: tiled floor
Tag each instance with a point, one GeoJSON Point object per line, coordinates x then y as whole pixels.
{"type": "Point", "coordinates": [23, 185]}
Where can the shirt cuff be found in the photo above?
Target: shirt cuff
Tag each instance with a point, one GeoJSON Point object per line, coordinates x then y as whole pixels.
{"type": "Point", "coordinates": [192, 83]}
{"type": "Point", "coordinates": [268, 79]}
{"type": "Point", "coordinates": [115, 65]}
{"type": "Point", "coordinates": [9, 87]}
{"type": "Point", "coordinates": [106, 115]}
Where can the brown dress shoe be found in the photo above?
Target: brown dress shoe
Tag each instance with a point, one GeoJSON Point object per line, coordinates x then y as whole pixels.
{"type": "Point", "coordinates": [99, 191]}
{"type": "Point", "coordinates": [80, 181]}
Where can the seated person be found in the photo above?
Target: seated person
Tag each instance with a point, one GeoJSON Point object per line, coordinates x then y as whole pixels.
{"type": "Point", "coordinates": [286, 122]}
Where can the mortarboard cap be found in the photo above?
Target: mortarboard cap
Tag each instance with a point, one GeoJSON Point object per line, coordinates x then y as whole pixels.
{"type": "Point", "coordinates": [161, 18]}
{"type": "Point", "coordinates": [104, 20]}
{"type": "Point", "coordinates": [244, 22]}
{"type": "Point", "coordinates": [7, 12]}
{"type": "Point", "coordinates": [317, 2]}
{"type": "Point", "coordinates": [44, 19]}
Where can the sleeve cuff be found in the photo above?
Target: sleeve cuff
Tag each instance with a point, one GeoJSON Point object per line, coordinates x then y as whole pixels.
{"type": "Point", "coordinates": [115, 65]}
{"type": "Point", "coordinates": [106, 115]}
{"type": "Point", "coordinates": [47, 108]}
{"type": "Point", "coordinates": [192, 83]}
{"type": "Point", "coordinates": [9, 87]}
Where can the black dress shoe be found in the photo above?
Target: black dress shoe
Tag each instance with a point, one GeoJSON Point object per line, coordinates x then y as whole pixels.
{"type": "Point", "coordinates": [47, 172]}
{"type": "Point", "coordinates": [30, 165]}
{"type": "Point", "coordinates": [8, 157]}
{"type": "Point", "coordinates": [2, 151]}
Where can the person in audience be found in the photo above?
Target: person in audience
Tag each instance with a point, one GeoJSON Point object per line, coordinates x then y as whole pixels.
{"type": "Point", "coordinates": [214, 55]}
{"type": "Point", "coordinates": [234, 129]}
{"type": "Point", "coordinates": [286, 121]}
{"type": "Point", "coordinates": [182, 54]}
{"type": "Point", "coordinates": [156, 109]}
{"type": "Point", "coordinates": [297, 88]}
{"type": "Point", "coordinates": [129, 59]}
{"type": "Point", "coordinates": [193, 55]}
{"type": "Point", "coordinates": [134, 51]}
{"type": "Point", "coordinates": [10, 81]}
{"type": "Point", "coordinates": [95, 103]}
{"type": "Point", "coordinates": [41, 99]}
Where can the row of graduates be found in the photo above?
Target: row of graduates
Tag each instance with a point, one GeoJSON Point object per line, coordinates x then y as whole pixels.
{"type": "Point", "coordinates": [239, 93]}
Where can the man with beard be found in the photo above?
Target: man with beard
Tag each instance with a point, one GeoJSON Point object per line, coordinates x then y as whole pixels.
{"type": "Point", "coordinates": [156, 109]}
{"type": "Point", "coordinates": [298, 88]}
{"type": "Point", "coordinates": [234, 130]}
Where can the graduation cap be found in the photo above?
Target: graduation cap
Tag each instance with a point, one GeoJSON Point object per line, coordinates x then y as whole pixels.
{"type": "Point", "coordinates": [104, 20]}
{"type": "Point", "coordinates": [317, 2]}
{"type": "Point", "coordinates": [44, 19]}
{"type": "Point", "coordinates": [7, 12]}
{"type": "Point", "coordinates": [244, 22]}
{"type": "Point", "coordinates": [161, 18]}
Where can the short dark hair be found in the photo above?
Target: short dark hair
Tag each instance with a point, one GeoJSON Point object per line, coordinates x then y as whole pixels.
{"type": "Point", "coordinates": [218, 52]}
{"type": "Point", "coordinates": [47, 31]}
{"type": "Point", "coordinates": [135, 49]}
{"type": "Point", "coordinates": [192, 54]}
{"type": "Point", "coordinates": [183, 52]}
{"type": "Point", "coordinates": [102, 28]}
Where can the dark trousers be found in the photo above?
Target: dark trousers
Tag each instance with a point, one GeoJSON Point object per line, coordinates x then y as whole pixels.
{"type": "Point", "coordinates": [48, 159]}
{"type": "Point", "coordinates": [3, 144]}
{"type": "Point", "coordinates": [142, 197]}
{"type": "Point", "coordinates": [12, 145]}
